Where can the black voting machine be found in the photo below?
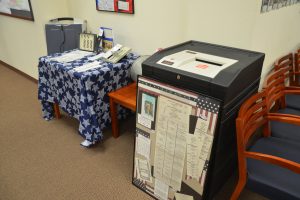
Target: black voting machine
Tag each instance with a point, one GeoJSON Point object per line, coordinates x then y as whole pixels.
{"type": "Point", "coordinates": [231, 86]}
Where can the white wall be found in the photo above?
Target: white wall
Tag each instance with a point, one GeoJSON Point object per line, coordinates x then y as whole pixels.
{"type": "Point", "coordinates": [240, 24]}
{"type": "Point", "coordinates": [232, 23]}
{"type": "Point", "coordinates": [158, 23]}
{"type": "Point", "coordinates": [22, 42]}
{"type": "Point", "coordinates": [227, 22]}
{"type": "Point", "coordinates": [276, 33]}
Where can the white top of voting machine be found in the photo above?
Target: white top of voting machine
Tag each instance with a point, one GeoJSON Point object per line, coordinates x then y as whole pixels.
{"type": "Point", "coordinates": [197, 63]}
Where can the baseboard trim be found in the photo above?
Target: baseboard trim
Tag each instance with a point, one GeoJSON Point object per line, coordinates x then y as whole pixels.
{"type": "Point", "coordinates": [19, 72]}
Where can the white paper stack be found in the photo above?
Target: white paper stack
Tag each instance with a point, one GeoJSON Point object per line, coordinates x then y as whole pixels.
{"type": "Point", "coordinates": [107, 54]}
{"type": "Point", "coordinates": [97, 57]}
{"type": "Point", "coordinates": [88, 66]}
{"type": "Point", "coordinates": [71, 56]}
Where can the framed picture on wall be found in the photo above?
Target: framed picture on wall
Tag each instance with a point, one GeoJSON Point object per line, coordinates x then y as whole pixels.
{"type": "Point", "coordinates": [264, 6]}
{"type": "Point", "coordinates": [120, 6]}
{"type": "Point", "coordinates": [17, 8]}
{"type": "Point", "coordinates": [268, 5]}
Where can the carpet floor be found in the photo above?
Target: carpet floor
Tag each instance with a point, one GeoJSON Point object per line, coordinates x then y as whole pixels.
{"type": "Point", "coordinates": [41, 160]}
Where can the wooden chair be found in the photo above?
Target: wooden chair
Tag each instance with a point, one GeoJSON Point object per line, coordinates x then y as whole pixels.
{"type": "Point", "coordinates": [288, 96]}
{"type": "Point", "coordinates": [287, 62]}
{"type": "Point", "coordinates": [276, 103]}
{"type": "Point", "coordinates": [292, 80]}
{"type": "Point", "coordinates": [269, 165]}
{"type": "Point", "coordinates": [297, 67]}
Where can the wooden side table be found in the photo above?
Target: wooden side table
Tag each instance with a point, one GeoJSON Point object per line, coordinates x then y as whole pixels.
{"type": "Point", "coordinates": [56, 111]}
{"type": "Point", "coordinates": [126, 97]}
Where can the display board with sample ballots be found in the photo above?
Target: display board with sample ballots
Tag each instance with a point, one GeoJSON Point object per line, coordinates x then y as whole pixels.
{"type": "Point", "coordinates": [174, 136]}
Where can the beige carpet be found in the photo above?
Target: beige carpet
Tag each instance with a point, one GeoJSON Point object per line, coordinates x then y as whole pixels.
{"type": "Point", "coordinates": [41, 160]}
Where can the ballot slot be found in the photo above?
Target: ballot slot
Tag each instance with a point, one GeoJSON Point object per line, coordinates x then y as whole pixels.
{"type": "Point", "coordinates": [209, 62]}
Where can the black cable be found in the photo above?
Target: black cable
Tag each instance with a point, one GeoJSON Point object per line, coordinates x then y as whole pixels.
{"type": "Point", "coordinates": [61, 47]}
{"type": "Point", "coordinates": [61, 19]}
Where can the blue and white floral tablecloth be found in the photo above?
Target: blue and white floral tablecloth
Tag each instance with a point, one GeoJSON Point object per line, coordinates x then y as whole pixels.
{"type": "Point", "coordinates": [83, 95]}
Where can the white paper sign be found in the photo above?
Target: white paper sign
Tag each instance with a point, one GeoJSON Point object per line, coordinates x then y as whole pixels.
{"type": "Point", "coordinates": [172, 128]}
{"type": "Point", "coordinates": [106, 5]}
{"type": "Point", "coordinates": [144, 170]}
{"type": "Point", "coordinates": [5, 7]}
{"type": "Point", "coordinates": [144, 121]}
{"type": "Point", "coordinates": [122, 5]}
{"type": "Point", "coordinates": [161, 190]}
{"type": "Point", "coordinates": [180, 196]}
{"type": "Point", "coordinates": [143, 146]}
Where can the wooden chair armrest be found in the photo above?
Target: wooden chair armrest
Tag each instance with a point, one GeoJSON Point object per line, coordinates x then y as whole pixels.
{"type": "Point", "coordinates": [292, 91]}
{"type": "Point", "coordinates": [284, 115]}
{"type": "Point", "coordinates": [292, 88]}
{"type": "Point", "coordinates": [290, 119]}
{"type": "Point", "coordinates": [288, 164]}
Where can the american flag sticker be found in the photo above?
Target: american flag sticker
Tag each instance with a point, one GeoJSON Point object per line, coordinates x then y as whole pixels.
{"type": "Point", "coordinates": [140, 183]}
{"type": "Point", "coordinates": [203, 176]}
{"type": "Point", "coordinates": [209, 105]}
{"type": "Point", "coordinates": [213, 123]}
{"type": "Point", "coordinates": [208, 110]}
{"type": "Point", "coordinates": [210, 117]}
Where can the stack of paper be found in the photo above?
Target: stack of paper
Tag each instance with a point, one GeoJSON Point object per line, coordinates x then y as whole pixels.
{"type": "Point", "coordinates": [71, 56]}
{"type": "Point", "coordinates": [88, 66]}
{"type": "Point", "coordinates": [97, 57]}
{"type": "Point", "coordinates": [108, 54]}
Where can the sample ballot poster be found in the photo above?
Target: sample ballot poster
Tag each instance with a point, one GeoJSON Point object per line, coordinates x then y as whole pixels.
{"type": "Point", "coordinates": [174, 136]}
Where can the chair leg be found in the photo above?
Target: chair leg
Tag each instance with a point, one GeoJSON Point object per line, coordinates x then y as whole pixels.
{"type": "Point", "coordinates": [238, 189]}
{"type": "Point", "coordinates": [56, 111]}
{"type": "Point", "coordinates": [114, 118]}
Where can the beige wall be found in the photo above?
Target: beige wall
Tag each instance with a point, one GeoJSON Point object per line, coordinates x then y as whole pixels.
{"type": "Point", "coordinates": [157, 24]}
{"type": "Point", "coordinates": [22, 42]}
{"type": "Point", "coordinates": [227, 22]}
{"type": "Point", "coordinates": [240, 24]}
{"type": "Point", "coordinates": [276, 33]}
